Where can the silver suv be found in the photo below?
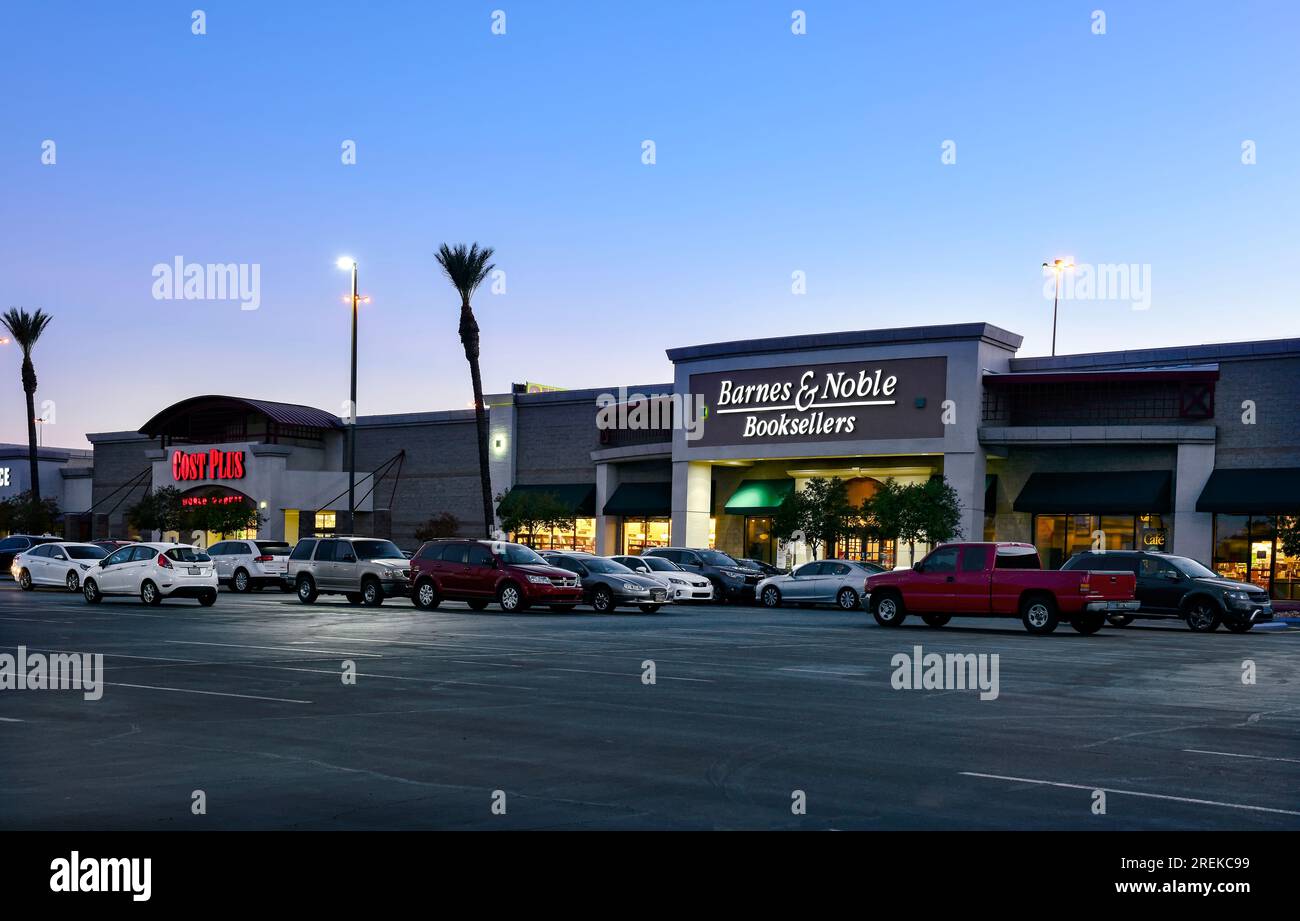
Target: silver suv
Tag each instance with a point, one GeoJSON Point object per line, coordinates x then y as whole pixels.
{"type": "Point", "coordinates": [364, 569]}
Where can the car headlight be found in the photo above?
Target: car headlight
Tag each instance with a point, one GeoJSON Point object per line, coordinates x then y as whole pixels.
{"type": "Point", "coordinates": [677, 581]}
{"type": "Point", "coordinates": [83, 565]}
{"type": "Point", "coordinates": [633, 587]}
{"type": "Point", "coordinates": [1236, 596]}
{"type": "Point", "coordinates": [540, 580]}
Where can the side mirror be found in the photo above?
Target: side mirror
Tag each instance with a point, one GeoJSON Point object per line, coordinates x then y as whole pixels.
{"type": "Point", "coordinates": [103, 562]}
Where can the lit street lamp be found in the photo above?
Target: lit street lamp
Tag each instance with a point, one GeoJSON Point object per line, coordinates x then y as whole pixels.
{"type": "Point", "coordinates": [1058, 266]}
{"type": "Point", "coordinates": [346, 263]}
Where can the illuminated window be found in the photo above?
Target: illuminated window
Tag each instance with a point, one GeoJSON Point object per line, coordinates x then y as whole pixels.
{"type": "Point", "coordinates": [326, 521]}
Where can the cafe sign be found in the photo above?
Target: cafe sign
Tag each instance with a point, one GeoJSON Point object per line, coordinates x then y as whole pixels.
{"type": "Point", "coordinates": [845, 401]}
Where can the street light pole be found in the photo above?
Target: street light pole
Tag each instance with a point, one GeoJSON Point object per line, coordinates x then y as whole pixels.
{"type": "Point", "coordinates": [347, 263]}
{"type": "Point", "coordinates": [1057, 266]}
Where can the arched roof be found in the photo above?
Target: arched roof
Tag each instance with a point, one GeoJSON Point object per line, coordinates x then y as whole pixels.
{"type": "Point", "coordinates": [170, 421]}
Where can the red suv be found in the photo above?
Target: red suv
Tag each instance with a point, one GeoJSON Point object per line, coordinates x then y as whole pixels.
{"type": "Point", "coordinates": [479, 572]}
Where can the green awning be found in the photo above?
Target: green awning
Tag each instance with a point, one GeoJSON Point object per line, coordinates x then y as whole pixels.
{"type": "Point", "coordinates": [759, 497]}
{"type": "Point", "coordinates": [578, 498]}
{"type": "Point", "coordinates": [641, 500]}
{"type": "Point", "coordinates": [1129, 492]}
{"type": "Point", "coordinates": [1252, 491]}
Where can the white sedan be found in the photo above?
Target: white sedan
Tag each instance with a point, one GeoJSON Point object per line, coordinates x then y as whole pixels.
{"type": "Point", "coordinates": [842, 583]}
{"type": "Point", "coordinates": [684, 586]}
{"type": "Point", "coordinates": [153, 572]}
{"type": "Point", "coordinates": [60, 564]}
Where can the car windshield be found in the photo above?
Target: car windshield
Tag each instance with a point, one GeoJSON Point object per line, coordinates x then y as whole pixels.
{"type": "Point", "coordinates": [187, 555]}
{"type": "Point", "coordinates": [717, 558]}
{"type": "Point", "coordinates": [659, 564]}
{"type": "Point", "coordinates": [377, 550]}
{"type": "Point", "coordinates": [518, 554]}
{"type": "Point", "coordinates": [88, 552]}
{"type": "Point", "coordinates": [1191, 568]}
{"type": "Point", "coordinates": [600, 564]}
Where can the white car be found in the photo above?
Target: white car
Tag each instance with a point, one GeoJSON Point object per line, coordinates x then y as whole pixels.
{"type": "Point", "coordinates": [60, 564]}
{"type": "Point", "coordinates": [153, 572]}
{"type": "Point", "coordinates": [684, 586]}
{"type": "Point", "coordinates": [251, 565]}
{"type": "Point", "coordinates": [842, 583]}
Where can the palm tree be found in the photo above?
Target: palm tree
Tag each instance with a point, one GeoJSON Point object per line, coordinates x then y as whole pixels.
{"type": "Point", "coordinates": [26, 328]}
{"type": "Point", "coordinates": [466, 267]}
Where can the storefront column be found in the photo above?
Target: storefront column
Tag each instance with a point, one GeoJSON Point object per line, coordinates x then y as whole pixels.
{"type": "Point", "coordinates": [607, 480]}
{"type": "Point", "coordinates": [692, 491]}
{"type": "Point", "coordinates": [1193, 530]}
{"type": "Point", "coordinates": [965, 473]}
{"type": "Point", "coordinates": [501, 448]}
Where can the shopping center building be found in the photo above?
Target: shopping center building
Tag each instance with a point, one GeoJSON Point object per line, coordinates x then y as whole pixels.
{"type": "Point", "coordinates": [1194, 450]}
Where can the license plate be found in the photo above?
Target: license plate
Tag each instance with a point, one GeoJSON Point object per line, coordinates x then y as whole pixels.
{"type": "Point", "coordinates": [194, 570]}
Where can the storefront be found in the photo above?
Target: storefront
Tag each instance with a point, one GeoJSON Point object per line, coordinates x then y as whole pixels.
{"type": "Point", "coordinates": [1074, 512]}
{"type": "Point", "coordinates": [1193, 450]}
{"type": "Point", "coordinates": [1255, 511]}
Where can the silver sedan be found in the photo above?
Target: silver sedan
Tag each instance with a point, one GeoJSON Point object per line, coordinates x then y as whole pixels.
{"type": "Point", "coordinates": [842, 583]}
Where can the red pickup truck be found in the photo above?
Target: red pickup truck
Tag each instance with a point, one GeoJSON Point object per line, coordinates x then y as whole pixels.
{"type": "Point", "coordinates": [999, 580]}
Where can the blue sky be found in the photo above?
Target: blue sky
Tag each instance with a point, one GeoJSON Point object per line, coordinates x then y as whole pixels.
{"type": "Point", "coordinates": [775, 153]}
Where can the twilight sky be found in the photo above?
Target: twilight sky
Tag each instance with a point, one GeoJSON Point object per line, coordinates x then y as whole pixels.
{"type": "Point", "coordinates": [775, 153]}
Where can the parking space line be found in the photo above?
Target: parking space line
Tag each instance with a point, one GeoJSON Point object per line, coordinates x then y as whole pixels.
{"type": "Point", "coordinates": [584, 671]}
{"type": "Point", "coordinates": [9, 719]}
{"type": "Point", "coordinates": [150, 687]}
{"type": "Point", "coordinates": [107, 655]}
{"type": "Point", "coordinates": [329, 652]}
{"type": "Point", "coordinates": [1163, 796]}
{"type": "Point", "coordinates": [1198, 751]}
{"type": "Point", "coordinates": [336, 673]}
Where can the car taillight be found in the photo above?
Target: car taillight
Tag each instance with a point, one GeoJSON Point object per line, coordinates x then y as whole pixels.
{"type": "Point", "coordinates": [263, 559]}
{"type": "Point", "coordinates": [164, 562]}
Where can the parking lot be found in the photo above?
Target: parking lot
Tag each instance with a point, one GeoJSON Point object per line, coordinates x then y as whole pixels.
{"type": "Point", "coordinates": [549, 718]}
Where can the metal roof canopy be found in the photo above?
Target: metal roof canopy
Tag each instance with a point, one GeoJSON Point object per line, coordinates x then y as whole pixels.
{"type": "Point", "coordinates": [168, 422]}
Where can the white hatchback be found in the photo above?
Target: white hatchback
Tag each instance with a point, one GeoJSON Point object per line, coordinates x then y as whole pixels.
{"type": "Point", "coordinates": [153, 572]}
{"type": "Point", "coordinates": [683, 585]}
{"type": "Point", "coordinates": [61, 564]}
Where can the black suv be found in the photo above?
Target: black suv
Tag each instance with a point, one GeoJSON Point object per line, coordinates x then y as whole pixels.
{"type": "Point", "coordinates": [15, 544]}
{"type": "Point", "coordinates": [732, 581]}
{"type": "Point", "coordinates": [1175, 586]}
{"type": "Point", "coordinates": [607, 584]}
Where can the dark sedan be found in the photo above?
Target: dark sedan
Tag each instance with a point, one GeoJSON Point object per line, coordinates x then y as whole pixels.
{"type": "Point", "coordinates": [607, 584]}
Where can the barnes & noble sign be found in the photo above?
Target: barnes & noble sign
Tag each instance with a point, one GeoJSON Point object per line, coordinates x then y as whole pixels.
{"type": "Point", "coordinates": [848, 401]}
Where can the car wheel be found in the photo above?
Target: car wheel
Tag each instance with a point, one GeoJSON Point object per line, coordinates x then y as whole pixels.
{"type": "Point", "coordinates": [1038, 613]}
{"type": "Point", "coordinates": [510, 598]}
{"type": "Point", "coordinates": [90, 591]}
{"type": "Point", "coordinates": [208, 599]}
{"type": "Point", "coordinates": [563, 608]}
{"type": "Point", "coordinates": [149, 594]}
{"type": "Point", "coordinates": [603, 600]}
{"type": "Point", "coordinates": [1088, 624]}
{"type": "Point", "coordinates": [477, 604]}
{"type": "Point", "coordinates": [771, 597]}
{"type": "Point", "coordinates": [353, 597]}
{"type": "Point", "coordinates": [372, 594]}
{"type": "Point", "coordinates": [847, 599]}
{"type": "Point", "coordinates": [936, 620]}
{"type": "Point", "coordinates": [1119, 620]}
{"type": "Point", "coordinates": [306, 590]}
{"type": "Point", "coordinates": [888, 609]}
{"type": "Point", "coordinates": [239, 582]}
{"type": "Point", "coordinates": [426, 596]}
{"type": "Point", "coordinates": [650, 608]}
{"type": "Point", "coordinates": [1202, 616]}
{"type": "Point", "coordinates": [1238, 626]}
{"type": "Point", "coordinates": [25, 580]}
{"type": "Point", "coordinates": [72, 583]}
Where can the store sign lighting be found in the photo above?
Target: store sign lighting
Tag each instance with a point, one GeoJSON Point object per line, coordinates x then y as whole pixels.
{"type": "Point", "coordinates": [203, 501]}
{"type": "Point", "coordinates": [211, 465]}
{"type": "Point", "coordinates": [823, 402]}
